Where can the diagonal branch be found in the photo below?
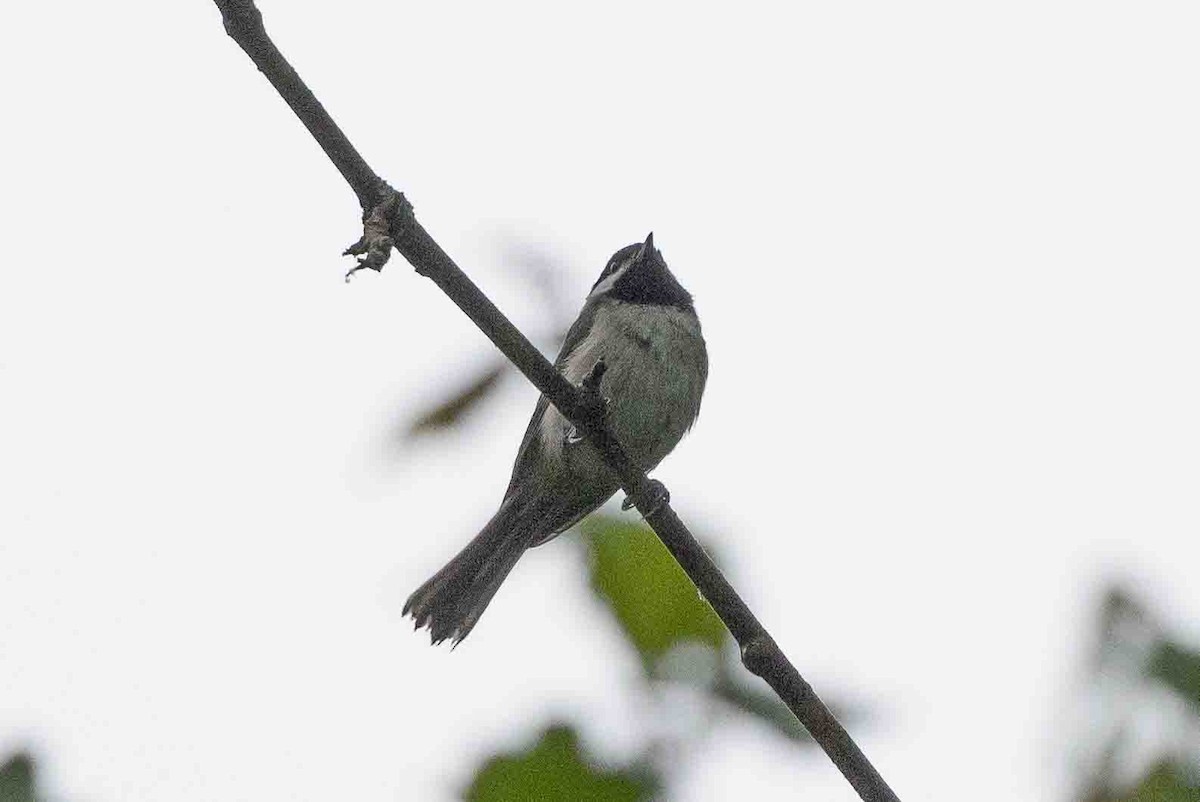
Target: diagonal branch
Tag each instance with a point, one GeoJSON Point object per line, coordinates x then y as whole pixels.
{"type": "Point", "coordinates": [389, 222]}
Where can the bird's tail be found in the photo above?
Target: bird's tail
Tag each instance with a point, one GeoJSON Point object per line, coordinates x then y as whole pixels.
{"type": "Point", "coordinates": [451, 602]}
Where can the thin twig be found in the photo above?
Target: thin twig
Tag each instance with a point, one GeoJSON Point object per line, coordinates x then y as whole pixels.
{"type": "Point", "coordinates": [381, 204]}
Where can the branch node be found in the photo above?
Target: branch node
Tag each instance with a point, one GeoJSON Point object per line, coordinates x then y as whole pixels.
{"type": "Point", "coordinates": [239, 18]}
{"type": "Point", "coordinates": [383, 224]}
{"type": "Point", "coordinates": [759, 654]}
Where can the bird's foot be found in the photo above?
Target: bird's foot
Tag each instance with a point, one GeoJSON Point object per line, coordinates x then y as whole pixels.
{"type": "Point", "coordinates": [592, 404]}
{"type": "Point", "coordinates": [655, 494]}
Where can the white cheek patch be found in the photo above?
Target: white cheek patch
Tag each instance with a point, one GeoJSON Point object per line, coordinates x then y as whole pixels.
{"type": "Point", "coordinates": [611, 280]}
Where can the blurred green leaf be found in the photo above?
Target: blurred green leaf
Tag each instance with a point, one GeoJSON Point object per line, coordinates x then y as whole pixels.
{"type": "Point", "coordinates": [555, 769]}
{"type": "Point", "coordinates": [450, 411]}
{"type": "Point", "coordinates": [764, 706]}
{"type": "Point", "coordinates": [17, 779]}
{"type": "Point", "coordinates": [655, 603]}
{"type": "Point", "coordinates": [1166, 783]}
{"type": "Point", "coordinates": [1179, 668]}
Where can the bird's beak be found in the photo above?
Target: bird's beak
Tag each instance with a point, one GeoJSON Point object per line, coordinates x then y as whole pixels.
{"type": "Point", "coordinates": [647, 248]}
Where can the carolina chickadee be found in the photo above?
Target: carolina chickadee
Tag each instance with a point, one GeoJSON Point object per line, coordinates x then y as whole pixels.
{"type": "Point", "coordinates": [643, 324]}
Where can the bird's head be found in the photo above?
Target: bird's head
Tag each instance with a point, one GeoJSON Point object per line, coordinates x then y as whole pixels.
{"type": "Point", "coordinates": [637, 274]}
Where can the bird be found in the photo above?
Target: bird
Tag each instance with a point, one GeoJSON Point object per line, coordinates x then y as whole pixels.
{"type": "Point", "coordinates": [640, 321]}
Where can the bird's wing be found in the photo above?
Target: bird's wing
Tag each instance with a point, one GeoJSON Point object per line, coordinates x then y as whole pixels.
{"type": "Point", "coordinates": [531, 444]}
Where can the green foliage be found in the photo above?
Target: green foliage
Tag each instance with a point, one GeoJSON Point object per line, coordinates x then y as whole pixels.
{"type": "Point", "coordinates": [1135, 649]}
{"type": "Point", "coordinates": [1179, 668]}
{"type": "Point", "coordinates": [660, 613]}
{"type": "Point", "coordinates": [555, 768]}
{"type": "Point", "coordinates": [651, 597]}
{"type": "Point", "coordinates": [681, 642]}
{"type": "Point", "coordinates": [17, 779]}
{"type": "Point", "coordinates": [450, 411]}
{"type": "Point", "coordinates": [1165, 783]}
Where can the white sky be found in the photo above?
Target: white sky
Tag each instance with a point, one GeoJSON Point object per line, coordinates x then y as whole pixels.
{"type": "Point", "coordinates": [946, 256]}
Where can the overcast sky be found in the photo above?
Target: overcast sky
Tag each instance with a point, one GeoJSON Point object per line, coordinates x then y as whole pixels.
{"type": "Point", "coordinates": [946, 257]}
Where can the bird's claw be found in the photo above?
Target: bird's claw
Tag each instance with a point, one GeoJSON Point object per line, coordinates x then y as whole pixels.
{"type": "Point", "coordinates": [655, 494]}
{"type": "Point", "coordinates": [592, 404]}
